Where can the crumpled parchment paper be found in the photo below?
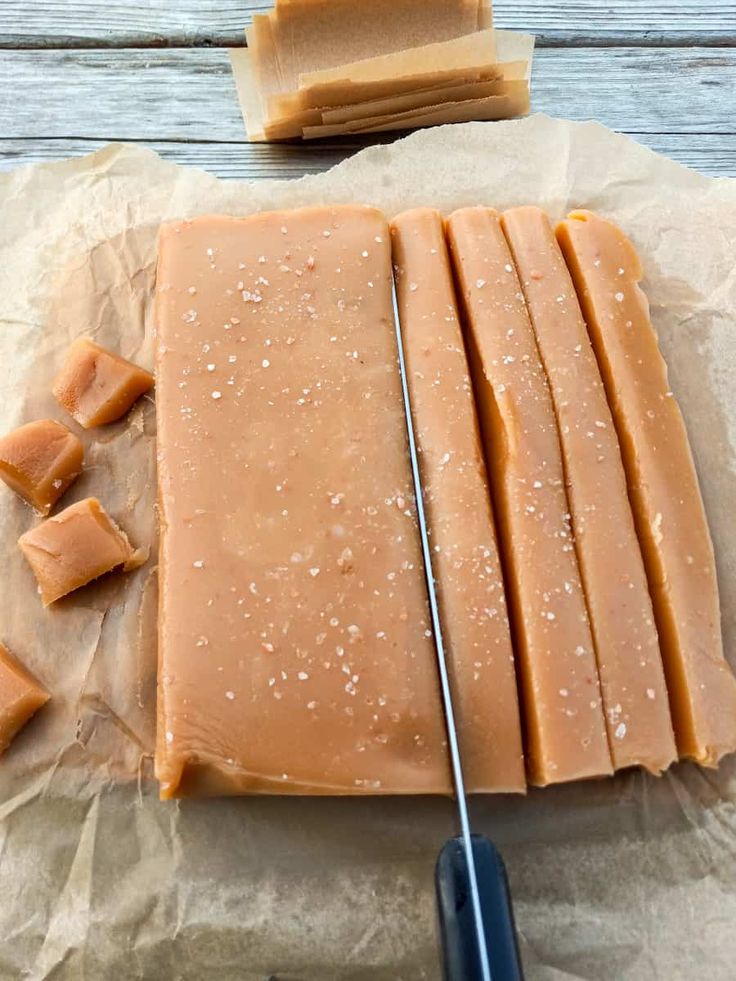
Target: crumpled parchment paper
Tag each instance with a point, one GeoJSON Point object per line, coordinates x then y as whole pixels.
{"type": "Point", "coordinates": [631, 878]}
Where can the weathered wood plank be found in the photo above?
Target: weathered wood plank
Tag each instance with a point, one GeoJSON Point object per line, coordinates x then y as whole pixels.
{"type": "Point", "coordinates": [188, 94]}
{"type": "Point", "coordinates": [712, 154]}
{"type": "Point", "coordinates": [134, 23]}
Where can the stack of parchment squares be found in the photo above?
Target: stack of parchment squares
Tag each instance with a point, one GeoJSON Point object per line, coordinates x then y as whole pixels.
{"type": "Point", "coordinates": [331, 67]}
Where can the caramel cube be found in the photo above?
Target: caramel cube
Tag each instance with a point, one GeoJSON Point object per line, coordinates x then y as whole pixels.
{"type": "Point", "coordinates": [96, 386]}
{"type": "Point", "coordinates": [20, 696]}
{"type": "Point", "coordinates": [39, 461]}
{"type": "Point", "coordinates": [76, 546]}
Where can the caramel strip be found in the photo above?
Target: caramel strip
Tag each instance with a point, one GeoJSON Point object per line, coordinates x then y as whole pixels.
{"type": "Point", "coordinates": [465, 553]}
{"type": "Point", "coordinates": [662, 482]}
{"type": "Point", "coordinates": [295, 650]}
{"type": "Point", "coordinates": [564, 725]}
{"type": "Point", "coordinates": [620, 609]}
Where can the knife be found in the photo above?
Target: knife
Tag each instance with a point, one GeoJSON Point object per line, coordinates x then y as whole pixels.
{"type": "Point", "coordinates": [477, 930]}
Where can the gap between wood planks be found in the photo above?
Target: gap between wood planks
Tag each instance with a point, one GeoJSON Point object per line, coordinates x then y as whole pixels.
{"type": "Point", "coordinates": [545, 39]}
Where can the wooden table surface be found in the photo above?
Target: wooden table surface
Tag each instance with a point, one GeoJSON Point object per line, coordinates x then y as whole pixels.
{"type": "Point", "coordinates": [75, 74]}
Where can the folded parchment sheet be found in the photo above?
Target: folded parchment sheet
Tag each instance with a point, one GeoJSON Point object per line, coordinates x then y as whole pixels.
{"type": "Point", "coordinates": [305, 60]}
{"type": "Point", "coordinates": [627, 878]}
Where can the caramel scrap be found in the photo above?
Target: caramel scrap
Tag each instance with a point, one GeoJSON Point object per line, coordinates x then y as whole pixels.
{"type": "Point", "coordinates": [663, 485]}
{"type": "Point", "coordinates": [96, 386]}
{"type": "Point", "coordinates": [620, 609]}
{"type": "Point", "coordinates": [40, 461]}
{"type": "Point", "coordinates": [20, 697]}
{"type": "Point", "coordinates": [565, 728]}
{"type": "Point", "coordinates": [465, 552]}
{"type": "Point", "coordinates": [79, 544]}
{"type": "Point", "coordinates": [295, 654]}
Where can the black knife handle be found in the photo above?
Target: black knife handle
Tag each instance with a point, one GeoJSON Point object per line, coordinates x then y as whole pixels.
{"type": "Point", "coordinates": [457, 925]}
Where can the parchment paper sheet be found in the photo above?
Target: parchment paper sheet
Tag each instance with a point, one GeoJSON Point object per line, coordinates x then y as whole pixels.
{"type": "Point", "coordinates": [630, 878]}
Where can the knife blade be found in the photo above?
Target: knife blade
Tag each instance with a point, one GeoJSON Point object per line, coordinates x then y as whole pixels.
{"type": "Point", "coordinates": [466, 922]}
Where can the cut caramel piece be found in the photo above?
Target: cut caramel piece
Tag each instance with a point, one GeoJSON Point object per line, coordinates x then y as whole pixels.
{"type": "Point", "coordinates": [96, 386]}
{"type": "Point", "coordinates": [627, 648]}
{"type": "Point", "coordinates": [663, 485]}
{"type": "Point", "coordinates": [565, 728]}
{"type": "Point", "coordinates": [79, 544]}
{"type": "Point", "coordinates": [39, 461]}
{"type": "Point", "coordinates": [295, 654]}
{"type": "Point", "coordinates": [465, 556]}
{"type": "Point", "coordinates": [20, 697]}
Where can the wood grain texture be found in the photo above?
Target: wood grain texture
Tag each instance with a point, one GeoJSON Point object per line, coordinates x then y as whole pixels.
{"type": "Point", "coordinates": [188, 94]}
{"type": "Point", "coordinates": [711, 154]}
{"type": "Point", "coordinates": [137, 23]}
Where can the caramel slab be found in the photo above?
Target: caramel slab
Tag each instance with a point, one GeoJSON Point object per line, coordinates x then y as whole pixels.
{"type": "Point", "coordinates": [465, 556]}
{"type": "Point", "coordinates": [564, 725]}
{"type": "Point", "coordinates": [662, 481]}
{"type": "Point", "coordinates": [295, 652]}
